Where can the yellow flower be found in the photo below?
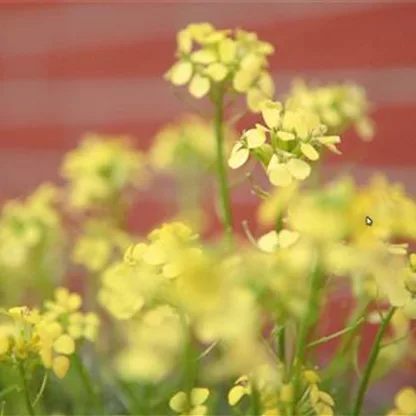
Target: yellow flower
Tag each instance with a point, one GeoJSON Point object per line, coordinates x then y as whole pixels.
{"type": "Point", "coordinates": [405, 402]}
{"type": "Point", "coordinates": [292, 139]}
{"type": "Point", "coordinates": [194, 405]}
{"type": "Point", "coordinates": [187, 146]}
{"type": "Point", "coordinates": [98, 243]}
{"type": "Point", "coordinates": [100, 169]}
{"type": "Point", "coordinates": [65, 310]}
{"type": "Point", "coordinates": [338, 106]}
{"type": "Point", "coordinates": [235, 60]}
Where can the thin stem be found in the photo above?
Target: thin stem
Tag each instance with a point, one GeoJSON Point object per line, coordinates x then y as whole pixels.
{"type": "Point", "coordinates": [371, 361]}
{"type": "Point", "coordinates": [25, 389]}
{"type": "Point", "coordinates": [334, 335]}
{"type": "Point", "coordinates": [221, 166]}
{"type": "Point", "coordinates": [308, 319]}
{"type": "Point", "coordinates": [340, 363]}
{"type": "Point", "coordinates": [41, 390]}
{"type": "Point", "coordinates": [281, 345]}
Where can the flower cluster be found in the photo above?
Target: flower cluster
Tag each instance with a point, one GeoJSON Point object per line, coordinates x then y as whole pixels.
{"type": "Point", "coordinates": [237, 61]}
{"type": "Point", "coordinates": [28, 336]}
{"type": "Point", "coordinates": [99, 242]}
{"type": "Point", "coordinates": [338, 106]}
{"type": "Point", "coordinates": [285, 146]}
{"type": "Point", "coordinates": [405, 402]}
{"type": "Point", "coordinates": [277, 398]}
{"type": "Point", "coordinates": [100, 169]}
{"type": "Point", "coordinates": [187, 146]}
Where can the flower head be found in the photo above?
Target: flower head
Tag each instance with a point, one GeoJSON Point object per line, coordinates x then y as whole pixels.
{"type": "Point", "coordinates": [236, 60]}
{"type": "Point", "coordinates": [290, 141]}
{"type": "Point", "coordinates": [101, 169]}
{"type": "Point", "coordinates": [338, 106]}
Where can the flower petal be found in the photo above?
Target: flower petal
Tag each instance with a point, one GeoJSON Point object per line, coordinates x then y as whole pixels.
{"type": "Point", "coordinates": [239, 156]}
{"type": "Point", "coordinates": [227, 50]}
{"type": "Point", "coordinates": [299, 168]}
{"type": "Point", "coordinates": [180, 73]}
{"type": "Point", "coordinates": [255, 138]}
{"type": "Point", "coordinates": [268, 242]}
{"type": "Point", "coordinates": [198, 396]}
{"type": "Point", "coordinates": [309, 151]}
{"type": "Point", "coordinates": [406, 401]}
{"type": "Point", "coordinates": [235, 395]}
{"type": "Point", "coordinates": [279, 175]}
{"type": "Point", "coordinates": [60, 366]}
{"type": "Point", "coordinates": [217, 71]}
{"type": "Point", "coordinates": [199, 86]}
{"type": "Point", "coordinates": [178, 402]}
{"type": "Point", "coordinates": [64, 345]}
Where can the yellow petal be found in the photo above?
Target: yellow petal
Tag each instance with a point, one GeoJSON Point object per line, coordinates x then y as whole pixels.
{"type": "Point", "coordinates": [184, 41]}
{"type": "Point", "coordinates": [325, 140]}
{"type": "Point", "coordinates": [74, 301]}
{"type": "Point", "coordinates": [268, 242]}
{"type": "Point", "coordinates": [298, 168]}
{"type": "Point", "coordinates": [217, 71]}
{"type": "Point", "coordinates": [271, 112]}
{"type": "Point", "coordinates": [235, 395]}
{"type": "Point", "coordinates": [406, 401]}
{"type": "Point", "coordinates": [203, 56]}
{"type": "Point", "coordinates": [326, 398]}
{"type": "Point", "coordinates": [251, 63]}
{"type": "Point", "coordinates": [255, 99]}
{"type": "Point", "coordinates": [64, 345]}
{"type": "Point", "coordinates": [280, 175]}
{"type": "Point", "coordinates": [266, 84]}
{"type": "Point", "coordinates": [239, 156]}
{"type": "Point", "coordinates": [199, 86]}
{"type": "Point", "coordinates": [227, 50]}
{"type": "Point", "coordinates": [242, 81]}
{"type": "Point", "coordinates": [60, 366]}
{"type": "Point", "coordinates": [365, 129]}
{"type": "Point", "coordinates": [255, 138]}
{"type": "Point", "coordinates": [179, 402]}
{"type": "Point", "coordinates": [180, 73]}
{"type": "Point", "coordinates": [287, 238]}
{"type": "Point", "coordinates": [198, 396]}
{"type": "Point", "coordinates": [309, 151]}
{"type": "Point", "coordinates": [154, 255]}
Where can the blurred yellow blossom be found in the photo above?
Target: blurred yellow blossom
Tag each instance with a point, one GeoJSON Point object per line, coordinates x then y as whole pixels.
{"type": "Point", "coordinates": [235, 60]}
{"type": "Point", "coordinates": [338, 106]}
{"type": "Point", "coordinates": [192, 405]}
{"type": "Point", "coordinates": [65, 309]}
{"type": "Point", "coordinates": [100, 169]}
{"type": "Point", "coordinates": [99, 242]}
{"type": "Point", "coordinates": [405, 402]}
{"type": "Point", "coordinates": [187, 146]}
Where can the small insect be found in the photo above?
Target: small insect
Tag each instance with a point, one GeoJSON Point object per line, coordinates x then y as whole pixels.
{"type": "Point", "coordinates": [368, 221]}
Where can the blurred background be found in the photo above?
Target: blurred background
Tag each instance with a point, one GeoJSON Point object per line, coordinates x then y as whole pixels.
{"type": "Point", "coordinates": [73, 68]}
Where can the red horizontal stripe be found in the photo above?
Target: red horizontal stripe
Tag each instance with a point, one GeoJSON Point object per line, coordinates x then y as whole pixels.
{"type": "Point", "coordinates": [372, 38]}
{"type": "Point", "coordinates": [392, 145]}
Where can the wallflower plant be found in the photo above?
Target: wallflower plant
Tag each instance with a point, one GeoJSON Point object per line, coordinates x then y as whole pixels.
{"type": "Point", "coordinates": [171, 322]}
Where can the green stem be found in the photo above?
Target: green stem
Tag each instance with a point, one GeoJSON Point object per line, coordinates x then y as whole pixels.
{"type": "Point", "coordinates": [25, 389]}
{"type": "Point", "coordinates": [308, 319]}
{"type": "Point", "coordinates": [339, 363]}
{"type": "Point", "coordinates": [86, 380]}
{"type": "Point", "coordinates": [281, 345]}
{"type": "Point", "coordinates": [335, 334]}
{"type": "Point", "coordinates": [370, 363]}
{"type": "Point", "coordinates": [221, 166]}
